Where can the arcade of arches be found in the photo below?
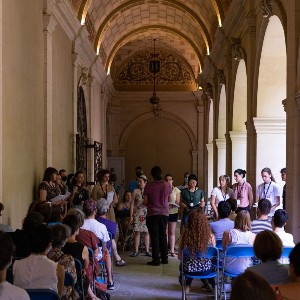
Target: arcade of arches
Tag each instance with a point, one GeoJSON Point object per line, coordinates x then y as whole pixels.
{"type": "Point", "coordinates": [228, 85]}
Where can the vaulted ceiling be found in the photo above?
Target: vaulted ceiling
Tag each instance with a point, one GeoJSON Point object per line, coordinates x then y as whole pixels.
{"type": "Point", "coordinates": [118, 29]}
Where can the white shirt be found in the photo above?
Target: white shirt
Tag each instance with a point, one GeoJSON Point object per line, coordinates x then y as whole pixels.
{"type": "Point", "coordinates": [269, 191]}
{"type": "Point", "coordinates": [35, 272]}
{"type": "Point", "coordinates": [286, 238]}
{"type": "Point", "coordinates": [219, 196]}
{"type": "Point", "coordinates": [99, 230]}
{"type": "Point", "coordinates": [12, 292]}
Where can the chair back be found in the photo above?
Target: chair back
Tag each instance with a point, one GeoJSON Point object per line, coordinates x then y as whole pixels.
{"type": "Point", "coordinates": [219, 244]}
{"type": "Point", "coordinates": [78, 266]}
{"type": "Point", "coordinates": [69, 280]}
{"type": "Point", "coordinates": [45, 294]}
{"type": "Point", "coordinates": [238, 251]}
{"type": "Point", "coordinates": [286, 252]}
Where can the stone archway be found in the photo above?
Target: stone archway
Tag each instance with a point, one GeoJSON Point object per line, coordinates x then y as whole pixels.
{"type": "Point", "coordinates": [270, 121]}
{"type": "Point", "coordinates": [238, 134]}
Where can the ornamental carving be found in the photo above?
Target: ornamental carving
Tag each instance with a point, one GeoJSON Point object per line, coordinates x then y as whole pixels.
{"type": "Point", "coordinates": [266, 7]}
{"type": "Point", "coordinates": [173, 70]}
{"type": "Point", "coordinates": [236, 49]}
{"type": "Point", "coordinates": [221, 77]}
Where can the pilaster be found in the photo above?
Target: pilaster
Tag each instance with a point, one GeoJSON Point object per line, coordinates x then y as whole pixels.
{"type": "Point", "coordinates": [49, 27]}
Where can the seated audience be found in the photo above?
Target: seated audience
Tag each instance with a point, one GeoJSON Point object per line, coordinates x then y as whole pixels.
{"type": "Point", "coordinates": [278, 222]}
{"type": "Point", "coordinates": [291, 291]}
{"type": "Point", "coordinates": [250, 286]}
{"type": "Point", "coordinates": [78, 251]}
{"type": "Point", "coordinates": [57, 214]}
{"type": "Point", "coordinates": [268, 249]}
{"type": "Point", "coordinates": [4, 227]}
{"type": "Point", "coordinates": [60, 233]}
{"type": "Point", "coordinates": [7, 290]}
{"type": "Point", "coordinates": [233, 204]}
{"type": "Point", "coordinates": [90, 223]}
{"type": "Point", "coordinates": [102, 210]}
{"type": "Point", "coordinates": [196, 237]}
{"type": "Point", "coordinates": [37, 271]}
{"type": "Point", "coordinates": [262, 222]}
{"type": "Point", "coordinates": [20, 237]}
{"type": "Point", "coordinates": [240, 235]}
{"type": "Point", "coordinates": [89, 239]}
{"type": "Point", "coordinates": [223, 224]}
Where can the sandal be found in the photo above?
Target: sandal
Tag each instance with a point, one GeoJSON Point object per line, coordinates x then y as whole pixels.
{"type": "Point", "coordinates": [134, 254]}
{"type": "Point", "coordinates": [120, 263]}
{"type": "Point", "coordinates": [173, 254]}
{"type": "Point", "coordinates": [148, 254]}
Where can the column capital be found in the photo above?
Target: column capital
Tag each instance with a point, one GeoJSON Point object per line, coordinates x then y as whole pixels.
{"type": "Point", "coordinates": [270, 125]}
{"type": "Point", "coordinates": [297, 99]}
{"type": "Point", "coordinates": [209, 147]}
{"type": "Point", "coordinates": [238, 136]}
{"type": "Point", "coordinates": [49, 23]}
{"type": "Point", "coordinates": [284, 104]}
{"type": "Point", "coordinates": [221, 143]}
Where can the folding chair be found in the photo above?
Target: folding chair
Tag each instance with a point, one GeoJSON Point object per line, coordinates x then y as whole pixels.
{"type": "Point", "coordinates": [45, 294]}
{"type": "Point", "coordinates": [219, 244]}
{"type": "Point", "coordinates": [284, 259]}
{"type": "Point", "coordinates": [69, 282]}
{"type": "Point", "coordinates": [78, 267]}
{"type": "Point", "coordinates": [237, 251]}
{"type": "Point", "coordinates": [211, 253]}
{"type": "Point", "coordinates": [92, 260]}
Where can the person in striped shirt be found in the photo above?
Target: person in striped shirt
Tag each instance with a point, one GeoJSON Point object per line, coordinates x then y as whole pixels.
{"type": "Point", "coordinates": [263, 222]}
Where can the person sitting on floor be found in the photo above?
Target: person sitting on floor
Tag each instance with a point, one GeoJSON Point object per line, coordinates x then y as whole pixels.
{"type": "Point", "coordinates": [7, 290]}
{"type": "Point", "coordinates": [291, 291]}
{"type": "Point", "coordinates": [223, 224]}
{"type": "Point", "coordinates": [268, 249]}
{"type": "Point", "coordinates": [37, 271]}
{"type": "Point", "coordinates": [250, 285]}
{"type": "Point", "coordinates": [263, 222]}
{"type": "Point", "coordinates": [196, 237]}
{"type": "Point", "coordinates": [240, 235]}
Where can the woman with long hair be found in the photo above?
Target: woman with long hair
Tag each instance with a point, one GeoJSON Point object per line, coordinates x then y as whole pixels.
{"type": "Point", "coordinates": [103, 190]}
{"type": "Point", "coordinates": [48, 189]}
{"type": "Point", "coordinates": [269, 190]}
{"type": "Point", "coordinates": [138, 214]}
{"type": "Point", "coordinates": [173, 214]}
{"type": "Point", "coordinates": [242, 191]}
{"type": "Point", "coordinates": [240, 235]}
{"type": "Point", "coordinates": [196, 238]}
{"type": "Point", "coordinates": [220, 193]}
{"type": "Point", "coordinates": [79, 193]}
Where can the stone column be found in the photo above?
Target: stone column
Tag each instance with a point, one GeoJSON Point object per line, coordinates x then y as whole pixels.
{"type": "Point", "coordinates": [75, 59]}
{"type": "Point", "coordinates": [49, 27]}
{"type": "Point", "coordinates": [210, 168]}
{"type": "Point", "coordinates": [90, 162]}
{"type": "Point", "coordinates": [200, 144]}
{"type": "Point", "coordinates": [239, 150]}
{"type": "Point", "coordinates": [221, 163]}
{"type": "Point", "coordinates": [195, 165]}
{"type": "Point", "coordinates": [1, 112]}
{"type": "Point", "coordinates": [270, 146]}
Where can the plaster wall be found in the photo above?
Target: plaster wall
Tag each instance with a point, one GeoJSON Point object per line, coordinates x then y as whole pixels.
{"type": "Point", "coordinates": [63, 131]}
{"type": "Point", "coordinates": [23, 106]}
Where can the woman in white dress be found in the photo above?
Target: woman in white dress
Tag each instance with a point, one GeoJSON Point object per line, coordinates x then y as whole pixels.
{"type": "Point", "coordinates": [220, 193]}
{"type": "Point", "coordinates": [138, 214]}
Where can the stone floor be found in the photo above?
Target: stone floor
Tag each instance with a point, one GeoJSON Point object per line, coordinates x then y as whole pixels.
{"type": "Point", "coordinates": [139, 281]}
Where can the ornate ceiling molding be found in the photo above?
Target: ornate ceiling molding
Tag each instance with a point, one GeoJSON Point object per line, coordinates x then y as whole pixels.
{"type": "Point", "coordinates": [236, 49]}
{"type": "Point", "coordinates": [221, 76]}
{"type": "Point", "coordinates": [174, 71]}
{"type": "Point", "coordinates": [266, 7]}
{"type": "Point", "coordinates": [132, 3]}
{"type": "Point", "coordinates": [122, 41]}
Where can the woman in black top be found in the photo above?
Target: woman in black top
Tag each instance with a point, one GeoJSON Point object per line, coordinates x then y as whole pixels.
{"type": "Point", "coordinates": [79, 193]}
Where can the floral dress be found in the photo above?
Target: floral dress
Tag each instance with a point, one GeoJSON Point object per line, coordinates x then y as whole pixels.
{"type": "Point", "coordinates": [52, 191]}
{"type": "Point", "coordinates": [68, 263]}
{"type": "Point", "coordinates": [140, 212]}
